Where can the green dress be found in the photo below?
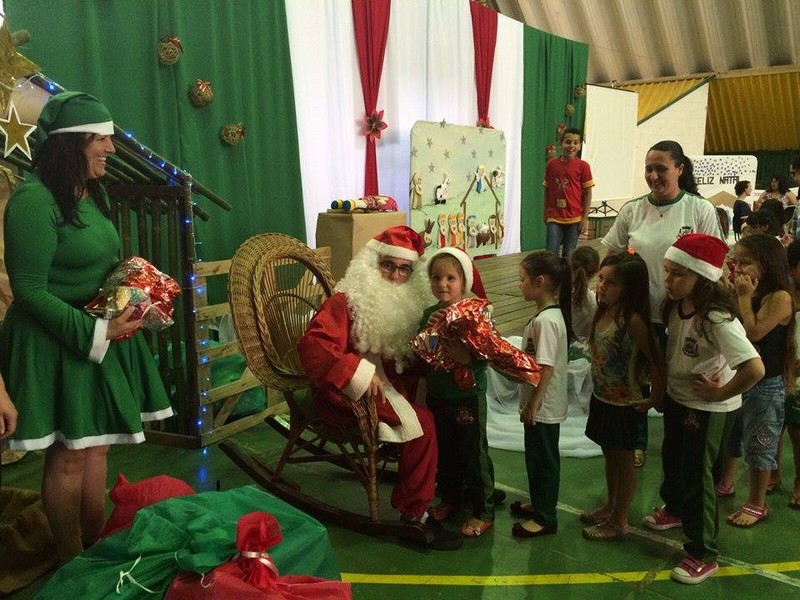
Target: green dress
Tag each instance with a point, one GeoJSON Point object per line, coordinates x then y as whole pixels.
{"type": "Point", "coordinates": [55, 269]}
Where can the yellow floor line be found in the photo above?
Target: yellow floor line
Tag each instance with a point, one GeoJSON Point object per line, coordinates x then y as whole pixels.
{"type": "Point", "coordinates": [553, 579]}
{"type": "Point", "coordinates": [737, 568]}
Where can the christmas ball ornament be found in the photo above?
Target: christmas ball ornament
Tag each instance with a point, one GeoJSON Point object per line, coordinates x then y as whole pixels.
{"type": "Point", "coordinates": [580, 91]}
{"type": "Point", "coordinates": [550, 151]}
{"type": "Point", "coordinates": [560, 128]}
{"type": "Point", "coordinates": [232, 133]}
{"type": "Point", "coordinates": [201, 93]}
{"type": "Point", "coordinates": [569, 110]}
{"type": "Point", "coordinates": [169, 50]}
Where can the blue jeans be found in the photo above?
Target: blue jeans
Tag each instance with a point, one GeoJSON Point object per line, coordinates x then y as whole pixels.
{"type": "Point", "coordinates": [760, 422]}
{"type": "Point", "coordinates": [558, 234]}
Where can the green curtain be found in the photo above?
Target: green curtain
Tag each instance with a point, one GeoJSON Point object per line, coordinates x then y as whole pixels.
{"type": "Point", "coordinates": [771, 164]}
{"type": "Point", "coordinates": [108, 48]}
{"type": "Point", "coordinates": [553, 67]}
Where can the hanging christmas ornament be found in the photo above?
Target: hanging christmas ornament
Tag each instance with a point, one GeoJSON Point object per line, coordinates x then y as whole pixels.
{"type": "Point", "coordinates": [373, 125]}
{"type": "Point", "coordinates": [169, 50]}
{"type": "Point", "coordinates": [580, 92]}
{"type": "Point", "coordinates": [569, 110]}
{"type": "Point", "coordinates": [232, 133]}
{"type": "Point", "coordinates": [201, 93]}
{"type": "Point", "coordinates": [560, 128]}
{"type": "Point", "coordinates": [550, 151]}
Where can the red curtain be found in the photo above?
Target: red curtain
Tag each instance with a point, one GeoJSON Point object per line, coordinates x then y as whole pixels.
{"type": "Point", "coordinates": [371, 21]}
{"type": "Point", "coordinates": [484, 39]}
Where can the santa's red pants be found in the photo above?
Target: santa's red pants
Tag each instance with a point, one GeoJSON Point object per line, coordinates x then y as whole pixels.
{"type": "Point", "coordinates": [417, 469]}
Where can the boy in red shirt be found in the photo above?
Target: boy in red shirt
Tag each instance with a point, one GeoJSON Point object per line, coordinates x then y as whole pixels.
{"type": "Point", "coordinates": [568, 195]}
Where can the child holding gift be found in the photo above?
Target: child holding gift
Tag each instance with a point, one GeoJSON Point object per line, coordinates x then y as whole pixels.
{"type": "Point", "coordinates": [465, 470]}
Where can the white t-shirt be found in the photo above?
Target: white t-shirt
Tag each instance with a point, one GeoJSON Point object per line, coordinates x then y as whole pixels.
{"type": "Point", "coordinates": [582, 316]}
{"type": "Point", "coordinates": [545, 337]}
{"type": "Point", "coordinates": [690, 355]}
{"type": "Point", "coordinates": [650, 229]}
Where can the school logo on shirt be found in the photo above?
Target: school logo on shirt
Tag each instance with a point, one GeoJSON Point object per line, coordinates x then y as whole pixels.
{"type": "Point", "coordinates": [690, 347]}
{"type": "Point", "coordinates": [529, 347]}
{"type": "Point", "coordinates": [685, 230]}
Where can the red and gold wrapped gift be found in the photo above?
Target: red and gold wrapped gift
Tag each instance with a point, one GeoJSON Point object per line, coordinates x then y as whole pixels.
{"type": "Point", "coordinates": [138, 283]}
{"type": "Point", "coordinates": [469, 323]}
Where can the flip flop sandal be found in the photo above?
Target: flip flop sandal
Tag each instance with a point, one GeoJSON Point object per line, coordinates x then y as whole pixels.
{"type": "Point", "coordinates": [519, 509]}
{"type": "Point", "coordinates": [605, 533]}
{"type": "Point", "coordinates": [772, 486]}
{"type": "Point", "coordinates": [759, 513]}
{"type": "Point", "coordinates": [473, 531]}
{"type": "Point", "coordinates": [724, 492]}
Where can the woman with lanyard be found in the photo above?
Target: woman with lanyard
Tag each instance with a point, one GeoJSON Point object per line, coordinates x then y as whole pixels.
{"type": "Point", "coordinates": [651, 224]}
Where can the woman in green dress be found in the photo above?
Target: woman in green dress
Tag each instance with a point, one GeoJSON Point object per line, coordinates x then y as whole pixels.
{"type": "Point", "coordinates": [76, 387]}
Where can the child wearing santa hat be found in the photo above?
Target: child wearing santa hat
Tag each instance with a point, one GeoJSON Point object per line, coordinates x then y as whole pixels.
{"type": "Point", "coordinates": [465, 470]}
{"type": "Point", "coordinates": [710, 362]}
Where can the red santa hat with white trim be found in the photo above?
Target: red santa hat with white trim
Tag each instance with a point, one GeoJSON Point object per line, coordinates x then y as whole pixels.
{"type": "Point", "coordinates": [704, 254]}
{"type": "Point", "coordinates": [398, 242]}
{"type": "Point", "coordinates": [472, 279]}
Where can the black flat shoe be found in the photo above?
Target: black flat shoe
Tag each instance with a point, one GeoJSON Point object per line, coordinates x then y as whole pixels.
{"type": "Point", "coordinates": [519, 531]}
{"type": "Point", "coordinates": [518, 509]}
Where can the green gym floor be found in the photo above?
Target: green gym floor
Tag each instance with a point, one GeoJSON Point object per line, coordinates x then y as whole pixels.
{"type": "Point", "coordinates": [763, 562]}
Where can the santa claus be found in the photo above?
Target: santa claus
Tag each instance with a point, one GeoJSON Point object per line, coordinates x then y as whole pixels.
{"type": "Point", "coordinates": [357, 344]}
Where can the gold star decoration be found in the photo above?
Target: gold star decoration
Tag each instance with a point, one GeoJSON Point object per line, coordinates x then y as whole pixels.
{"type": "Point", "coordinates": [12, 66]}
{"type": "Point", "coordinates": [16, 132]}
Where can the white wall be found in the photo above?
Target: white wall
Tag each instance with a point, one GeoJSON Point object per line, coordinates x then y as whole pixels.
{"type": "Point", "coordinates": [684, 121]}
{"type": "Point", "coordinates": [610, 141]}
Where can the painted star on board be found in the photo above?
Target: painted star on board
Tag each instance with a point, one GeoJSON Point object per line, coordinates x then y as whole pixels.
{"type": "Point", "coordinates": [16, 133]}
{"type": "Point", "coordinates": [474, 153]}
{"type": "Point", "coordinates": [414, 152]}
{"type": "Point", "coordinates": [431, 167]}
{"type": "Point", "coordinates": [13, 66]}
{"type": "Point", "coordinates": [463, 140]}
{"type": "Point", "coordinates": [446, 154]}
{"type": "Point", "coordinates": [430, 142]}
{"type": "Point", "coordinates": [491, 153]}
{"type": "Point", "coordinates": [502, 137]}
{"type": "Point", "coordinates": [442, 123]}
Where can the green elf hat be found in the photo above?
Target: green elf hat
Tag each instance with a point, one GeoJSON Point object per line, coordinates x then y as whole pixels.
{"type": "Point", "coordinates": [72, 112]}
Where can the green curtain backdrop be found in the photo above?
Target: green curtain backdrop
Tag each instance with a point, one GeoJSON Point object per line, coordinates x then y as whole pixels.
{"type": "Point", "coordinates": [108, 48]}
{"type": "Point", "coordinates": [553, 67]}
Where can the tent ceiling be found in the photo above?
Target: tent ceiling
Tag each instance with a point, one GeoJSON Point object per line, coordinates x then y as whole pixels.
{"type": "Point", "coordinates": [648, 39]}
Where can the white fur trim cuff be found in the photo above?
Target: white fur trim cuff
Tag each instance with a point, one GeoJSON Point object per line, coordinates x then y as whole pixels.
{"type": "Point", "coordinates": [99, 342]}
{"type": "Point", "coordinates": [393, 251]}
{"type": "Point", "coordinates": [701, 267]}
{"type": "Point", "coordinates": [106, 128]}
{"type": "Point", "coordinates": [360, 381]}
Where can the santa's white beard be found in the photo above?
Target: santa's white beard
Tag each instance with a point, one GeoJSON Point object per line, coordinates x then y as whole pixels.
{"type": "Point", "coordinates": [385, 315]}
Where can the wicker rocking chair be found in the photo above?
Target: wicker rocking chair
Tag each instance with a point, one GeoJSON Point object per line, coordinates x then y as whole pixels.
{"type": "Point", "coordinates": [275, 287]}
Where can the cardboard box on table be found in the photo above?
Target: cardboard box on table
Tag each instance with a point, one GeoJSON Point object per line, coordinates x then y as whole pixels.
{"type": "Point", "coordinates": [347, 233]}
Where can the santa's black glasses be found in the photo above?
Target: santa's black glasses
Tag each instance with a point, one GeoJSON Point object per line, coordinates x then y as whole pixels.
{"type": "Point", "coordinates": [388, 268]}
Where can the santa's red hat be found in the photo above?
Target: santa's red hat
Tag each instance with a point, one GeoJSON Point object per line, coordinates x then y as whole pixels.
{"type": "Point", "coordinates": [701, 253]}
{"type": "Point", "coordinates": [398, 242]}
{"type": "Point", "coordinates": [472, 279]}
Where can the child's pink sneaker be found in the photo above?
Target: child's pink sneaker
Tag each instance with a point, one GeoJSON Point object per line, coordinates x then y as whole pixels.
{"type": "Point", "coordinates": [661, 520]}
{"type": "Point", "coordinates": [691, 571]}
